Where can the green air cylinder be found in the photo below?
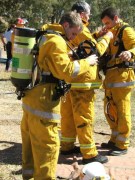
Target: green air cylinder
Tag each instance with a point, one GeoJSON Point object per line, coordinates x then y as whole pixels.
{"type": "Point", "coordinates": [22, 60]}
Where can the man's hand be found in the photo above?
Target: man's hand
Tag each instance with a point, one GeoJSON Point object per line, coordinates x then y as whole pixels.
{"type": "Point", "coordinates": [125, 56]}
{"type": "Point", "coordinates": [110, 34]}
{"type": "Point", "coordinates": [102, 31]}
{"type": "Point", "coordinates": [92, 60]}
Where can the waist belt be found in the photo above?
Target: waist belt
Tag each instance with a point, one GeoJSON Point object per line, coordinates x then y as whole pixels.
{"type": "Point", "coordinates": [48, 79]}
{"type": "Point", "coordinates": [124, 64]}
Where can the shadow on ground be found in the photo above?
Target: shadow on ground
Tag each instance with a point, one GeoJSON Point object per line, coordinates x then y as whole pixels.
{"type": "Point", "coordinates": [10, 153]}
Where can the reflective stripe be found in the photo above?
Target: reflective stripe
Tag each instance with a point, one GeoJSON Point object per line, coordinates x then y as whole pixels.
{"type": "Point", "coordinates": [42, 114]}
{"type": "Point", "coordinates": [87, 146]}
{"type": "Point", "coordinates": [45, 73]}
{"type": "Point", "coordinates": [86, 85]}
{"type": "Point", "coordinates": [104, 42]}
{"type": "Point", "coordinates": [27, 171]}
{"type": "Point", "coordinates": [76, 68]}
{"type": "Point", "coordinates": [115, 133]}
{"type": "Point", "coordinates": [66, 139]}
{"type": "Point", "coordinates": [120, 84]}
{"type": "Point", "coordinates": [120, 138]}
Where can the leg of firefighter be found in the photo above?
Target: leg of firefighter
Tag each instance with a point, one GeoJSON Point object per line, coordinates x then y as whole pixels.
{"type": "Point", "coordinates": [27, 156]}
{"type": "Point", "coordinates": [45, 147]}
{"type": "Point", "coordinates": [110, 114]}
{"type": "Point", "coordinates": [119, 121]}
{"type": "Point", "coordinates": [68, 130]}
{"type": "Point", "coordinates": [122, 98]}
{"type": "Point", "coordinates": [83, 109]}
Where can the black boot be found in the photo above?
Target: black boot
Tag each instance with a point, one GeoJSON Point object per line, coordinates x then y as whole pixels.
{"type": "Point", "coordinates": [75, 150]}
{"type": "Point", "coordinates": [98, 158]}
{"type": "Point", "coordinates": [109, 145]}
{"type": "Point", "coordinates": [117, 151]}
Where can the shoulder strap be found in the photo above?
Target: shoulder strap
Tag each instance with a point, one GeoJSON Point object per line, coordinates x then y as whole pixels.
{"type": "Point", "coordinates": [121, 31]}
{"type": "Point", "coordinates": [121, 45]}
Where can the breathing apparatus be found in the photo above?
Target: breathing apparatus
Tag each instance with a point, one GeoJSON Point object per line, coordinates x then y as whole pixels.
{"type": "Point", "coordinates": [22, 61]}
{"type": "Point", "coordinates": [25, 69]}
{"type": "Point", "coordinates": [86, 48]}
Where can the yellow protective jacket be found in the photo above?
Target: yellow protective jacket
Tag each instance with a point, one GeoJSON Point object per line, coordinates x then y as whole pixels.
{"type": "Point", "coordinates": [56, 27]}
{"type": "Point", "coordinates": [120, 77]}
{"type": "Point", "coordinates": [101, 45]}
{"type": "Point", "coordinates": [92, 80]}
{"type": "Point", "coordinates": [53, 57]}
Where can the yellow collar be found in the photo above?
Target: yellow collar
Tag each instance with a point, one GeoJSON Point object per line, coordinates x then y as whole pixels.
{"type": "Point", "coordinates": [56, 27]}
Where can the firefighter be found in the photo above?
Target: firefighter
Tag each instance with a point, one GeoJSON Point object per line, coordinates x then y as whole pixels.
{"type": "Point", "coordinates": [41, 114]}
{"type": "Point", "coordinates": [78, 109]}
{"type": "Point", "coordinates": [119, 81]}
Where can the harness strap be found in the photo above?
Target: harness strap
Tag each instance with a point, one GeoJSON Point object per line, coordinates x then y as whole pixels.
{"type": "Point", "coordinates": [124, 64]}
{"type": "Point", "coordinates": [120, 84]}
{"type": "Point", "coordinates": [48, 79]}
{"type": "Point", "coordinates": [121, 45]}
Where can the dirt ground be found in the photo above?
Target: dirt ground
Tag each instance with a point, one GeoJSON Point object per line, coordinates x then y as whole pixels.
{"type": "Point", "coordinates": [10, 117]}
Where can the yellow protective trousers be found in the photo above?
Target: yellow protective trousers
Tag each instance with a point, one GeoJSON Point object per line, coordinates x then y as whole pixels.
{"type": "Point", "coordinates": [40, 147]}
{"type": "Point", "coordinates": [77, 120]}
{"type": "Point", "coordinates": [40, 139]}
{"type": "Point", "coordinates": [120, 125]}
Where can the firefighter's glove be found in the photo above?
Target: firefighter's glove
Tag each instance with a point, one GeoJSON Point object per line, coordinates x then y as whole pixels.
{"type": "Point", "coordinates": [92, 60]}
{"type": "Point", "coordinates": [125, 55]}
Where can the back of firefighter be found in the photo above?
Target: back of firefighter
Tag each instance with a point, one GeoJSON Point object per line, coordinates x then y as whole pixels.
{"type": "Point", "coordinates": [78, 109]}
{"type": "Point", "coordinates": [41, 114]}
{"type": "Point", "coordinates": [119, 81]}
